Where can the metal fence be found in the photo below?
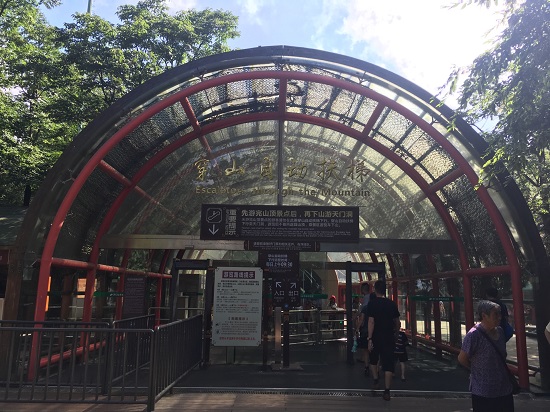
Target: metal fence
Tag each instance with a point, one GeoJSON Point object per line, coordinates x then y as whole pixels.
{"type": "Point", "coordinates": [129, 352]}
{"type": "Point", "coordinates": [139, 322]}
{"type": "Point", "coordinates": [42, 362]}
{"type": "Point", "coordinates": [177, 350]}
{"type": "Point", "coordinates": [162, 313]}
{"type": "Point", "coordinates": [315, 326]}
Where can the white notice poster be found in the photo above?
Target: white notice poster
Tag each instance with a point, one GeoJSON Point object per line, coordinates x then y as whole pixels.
{"type": "Point", "coordinates": [237, 317]}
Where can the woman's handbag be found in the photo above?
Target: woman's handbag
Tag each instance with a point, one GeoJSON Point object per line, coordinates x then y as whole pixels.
{"type": "Point", "coordinates": [515, 385]}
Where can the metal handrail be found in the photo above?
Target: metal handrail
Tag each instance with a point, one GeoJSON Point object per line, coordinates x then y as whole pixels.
{"type": "Point", "coordinates": [102, 365]}
{"type": "Point", "coordinates": [76, 376]}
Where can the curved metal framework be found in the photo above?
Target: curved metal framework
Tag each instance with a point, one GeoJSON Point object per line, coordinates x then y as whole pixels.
{"type": "Point", "coordinates": [287, 126]}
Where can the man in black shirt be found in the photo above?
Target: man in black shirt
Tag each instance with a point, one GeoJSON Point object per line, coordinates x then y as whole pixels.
{"type": "Point", "coordinates": [383, 326]}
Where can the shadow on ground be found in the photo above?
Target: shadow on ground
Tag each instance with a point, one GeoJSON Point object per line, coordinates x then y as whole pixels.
{"type": "Point", "coordinates": [320, 367]}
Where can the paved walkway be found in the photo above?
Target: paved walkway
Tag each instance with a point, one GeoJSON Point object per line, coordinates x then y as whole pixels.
{"type": "Point", "coordinates": [319, 380]}
{"type": "Point", "coordinates": [257, 402]}
{"type": "Point", "coordinates": [302, 403]}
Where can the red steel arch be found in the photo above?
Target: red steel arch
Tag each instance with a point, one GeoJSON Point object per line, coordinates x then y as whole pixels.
{"type": "Point", "coordinates": [97, 160]}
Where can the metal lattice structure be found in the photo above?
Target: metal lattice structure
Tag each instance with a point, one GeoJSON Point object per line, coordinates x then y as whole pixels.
{"type": "Point", "coordinates": [277, 126]}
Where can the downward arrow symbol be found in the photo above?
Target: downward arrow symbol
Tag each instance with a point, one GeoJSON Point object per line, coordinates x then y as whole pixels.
{"type": "Point", "coordinates": [213, 230]}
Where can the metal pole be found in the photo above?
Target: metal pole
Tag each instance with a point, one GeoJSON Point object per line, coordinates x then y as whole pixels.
{"type": "Point", "coordinates": [90, 3]}
{"type": "Point", "coordinates": [174, 289]}
{"type": "Point", "coordinates": [286, 337]}
{"type": "Point", "coordinates": [349, 315]}
{"type": "Point", "coordinates": [277, 320]}
{"type": "Point", "coordinates": [265, 323]}
{"type": "Point", "coordinates": [208, 302]}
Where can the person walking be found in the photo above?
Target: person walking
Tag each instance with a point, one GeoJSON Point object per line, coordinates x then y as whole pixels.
{"type": "Point", "coordinates": [362, 340]}
{"type": "Point", "coordinates": [383, 325]}
{"type": "Point", "coordinates": [332, 303]}
{"type": "Point", "coordinates": [365, 290]}
{"type": "Point", "coordinates": [333, 322]}
{"type": "Point", "coordinates": [483, 352]}
{"type": "Point", "coordinates": [361, 327]}
{"type": "Point", "coordinates": [492, 295]}
{"type": "Point", "coordinates": [400, 352]}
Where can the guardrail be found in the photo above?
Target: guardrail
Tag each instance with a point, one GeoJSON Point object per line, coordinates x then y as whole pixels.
{"type": "Point", "coordinates": [96, 364]}
{"type": "Point", "coordinates": [139, 322]}
{"type": "Point", "coordinates": [69, 371]}
{"type": "Point", "coordinates": [315, 326]}
{"type": "Point", "coordinates": [177, 350]}
{"type": "Point", "coordinates": [183, 313]}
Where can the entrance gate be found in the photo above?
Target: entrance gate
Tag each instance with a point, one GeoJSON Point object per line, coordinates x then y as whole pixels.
{"type": "Point", "coordinates": [286, 126]}
{"type": "Point", "coordinates": [274, 326]}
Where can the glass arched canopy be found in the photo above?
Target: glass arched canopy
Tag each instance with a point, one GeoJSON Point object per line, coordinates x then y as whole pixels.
{"type": "Point", "coordinates": [275, 126]}
{"type": "Point", "coordinates": [283, 126]}
{"type": "Point", "coordinates": [278, 125]}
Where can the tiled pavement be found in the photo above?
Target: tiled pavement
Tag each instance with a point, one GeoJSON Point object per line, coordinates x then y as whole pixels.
{"type": "Point", "coordinates": [319, 379]}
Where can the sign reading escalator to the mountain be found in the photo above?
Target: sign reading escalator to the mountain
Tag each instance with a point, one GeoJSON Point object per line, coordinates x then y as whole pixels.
{"type": "Point", "coordinates": [245, 222]}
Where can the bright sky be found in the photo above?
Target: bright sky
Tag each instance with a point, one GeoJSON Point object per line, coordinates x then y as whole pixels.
{"type": "Point", "coordinates": [420, 40]}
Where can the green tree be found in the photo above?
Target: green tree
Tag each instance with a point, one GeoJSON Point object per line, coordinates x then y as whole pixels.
{"type": "Point", "coordinates": [29, 140]}
{"type": "Point", "coordinates": [509, 86]}
{"type": "Point", "coordinates": [16, 8]}
{"type": "Point", "coordinates": [112, 59]}
{"type": "Point", "coordinates": [55, 80]}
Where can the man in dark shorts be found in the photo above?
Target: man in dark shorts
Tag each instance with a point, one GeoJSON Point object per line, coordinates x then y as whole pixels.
{"type": "Point", "coordinates": [383, 326]}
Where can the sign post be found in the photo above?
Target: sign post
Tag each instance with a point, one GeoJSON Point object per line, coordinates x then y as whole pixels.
{"type": "Point", "coordinates": [282, 267]}
{"type": "Point", "coordinates": [284, 223]}
{"type": "Point", "coordinates": [237, 306]}
{"type": "Point", "coordinates": [134, 296]}
{"type": "Point", "coordinates": [279, 233]}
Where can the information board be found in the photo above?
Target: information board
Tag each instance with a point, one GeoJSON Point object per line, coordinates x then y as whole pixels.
{"type": "Point", "coordinates": [283, 262]}
{"type": "Point", "coordinates": [134, 296]}
{"type": "Point", "coordinates": [437, 298]}
{"type": "Point", "coordinates": [307, 223]}
{"type": "Point", "coordinates": [283, 268]}
{"type": "Point", "coordinates": [286, 292]}
{"type": "Point", "coordinates": [237, 316]}
{"type": "Point", "coordinates": [296, 246]}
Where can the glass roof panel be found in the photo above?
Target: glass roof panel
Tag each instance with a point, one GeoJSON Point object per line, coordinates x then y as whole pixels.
{"type": "Point", "coordinates": [147, 139]}
{"type": "Point", "coordinates": [240, 166]}
{"type": "Point", "coordinates": [229, 172]}
{"type": "Point", "coordinates": [251, 162]}
{"type": "Point", "coordinates": [246, 163]}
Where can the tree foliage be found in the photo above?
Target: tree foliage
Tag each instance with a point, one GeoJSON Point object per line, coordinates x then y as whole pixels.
{"type": "Point", "coordinates": [30, 141]}
{"type": "Point", "coordinates": [509, 85]}
{"type": "Point", "coordinates": [55, 80]}
{"type": "Point", "coordinates": [112, 59]}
